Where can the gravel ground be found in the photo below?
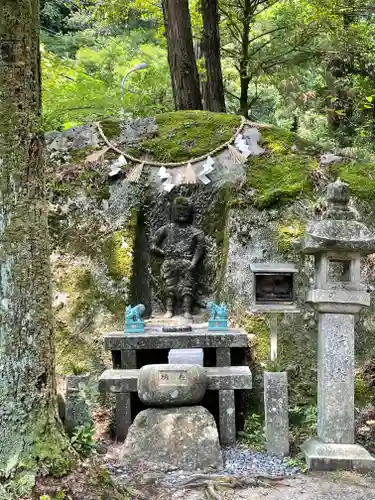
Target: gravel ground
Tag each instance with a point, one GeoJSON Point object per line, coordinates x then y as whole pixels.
{"type": "Point", "coordinates": [330, 486]}
{"type": "Point", "coordinates": [238, 461]}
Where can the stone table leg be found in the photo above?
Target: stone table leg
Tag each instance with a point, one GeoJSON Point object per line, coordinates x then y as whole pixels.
{"type": "Point", "coordinates": [123, 400]}
{"type": "Point", "coordinates": [227, 412]}
{"type": "Point", "coordinates": [123, 415]}
{"type": "Point", "coordinates": [223, 356]}
{"type": "Point", "coordinates": [227, 417]}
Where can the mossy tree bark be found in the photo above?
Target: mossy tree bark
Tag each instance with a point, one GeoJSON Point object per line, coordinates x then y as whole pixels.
{"type": "Point", "coordinates": [182, 63]}
{"type": "Point", "coordinates": [215, 100]}
{"type": "Point", "coordinates": [30, 430]}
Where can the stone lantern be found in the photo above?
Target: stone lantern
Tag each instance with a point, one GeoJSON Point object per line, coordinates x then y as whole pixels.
{"type": "Point", "coordinates": [337, 242]}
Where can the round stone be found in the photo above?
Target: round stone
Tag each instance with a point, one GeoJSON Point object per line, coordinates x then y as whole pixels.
{"type": "Point", "coordinates": [177, 329]}
{"type": "Point", "coordinates": [171, 385]}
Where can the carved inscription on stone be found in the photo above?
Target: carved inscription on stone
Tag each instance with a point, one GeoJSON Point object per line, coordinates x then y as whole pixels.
{"type": "Point", "coordinates": [176, 378]}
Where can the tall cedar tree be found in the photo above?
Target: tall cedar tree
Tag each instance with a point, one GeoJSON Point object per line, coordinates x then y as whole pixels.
{"type": "Point", "coordinates": [214, 94]}
{"type": "Point", "coordinates": [30, 430]}
{"type": "Point", "coordinates": [183, 67]}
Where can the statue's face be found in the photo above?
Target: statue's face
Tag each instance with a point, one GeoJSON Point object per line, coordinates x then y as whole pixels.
{"type": "Point", "coordinates": [182, 212]}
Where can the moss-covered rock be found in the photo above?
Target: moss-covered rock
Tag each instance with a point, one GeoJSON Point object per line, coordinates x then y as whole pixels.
{"type": "Point", "coordinates": [360, 177]}
{"type": "Point", "coordinates": [183, 135]}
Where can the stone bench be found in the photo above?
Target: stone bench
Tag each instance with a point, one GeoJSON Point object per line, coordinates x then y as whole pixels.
{"type": "Point", "coordinates": [225, 380]}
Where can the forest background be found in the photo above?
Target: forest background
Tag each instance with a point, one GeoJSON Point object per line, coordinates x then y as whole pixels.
{"type": "Point", "coordinates": [304, 65]}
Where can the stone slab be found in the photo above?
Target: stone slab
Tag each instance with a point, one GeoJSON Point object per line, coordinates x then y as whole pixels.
{"type": "Point", "coordinates": [155, 338]}
{"type": "Point", "coordinates": [218, 378]}
{"type": "Point", "coordinates": [336, 378]}
{"type": "Point", "coordinates": [329, 457]}
{"type": "Point", "coordinates": [171, 385]}
{"type": "Point", "coordinates": [77, 410]}
{"type": "Point", "coordinates": [276, 413]}
{"type": "Point", "coordinates": [165, 439]}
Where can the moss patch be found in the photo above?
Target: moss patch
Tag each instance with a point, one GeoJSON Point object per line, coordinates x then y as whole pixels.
{"type": "Point", "coordinates": [278, 140]}
{"type": "Point", "coordinates": [111, 127]}
{"type": "Point", "coordinates": [287, 232]}
{"type": "Point", "coordinates": [359, 176]}
{"type": "Point", "coordinates": [186, 134]}
{"type": "Point", "coordinates": [279, 178]}
{"type": "Point", "coordinates": [118, 251]}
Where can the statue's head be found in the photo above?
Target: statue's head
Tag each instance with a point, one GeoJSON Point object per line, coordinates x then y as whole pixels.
{"type": "Point", "coordinates": [182, 210]}
{"type": "Point", "coordinates": [141, 309]}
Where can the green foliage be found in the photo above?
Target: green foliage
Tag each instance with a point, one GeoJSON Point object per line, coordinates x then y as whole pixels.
{"type": "Point", "coordinates": [297, 461]}
{"type": "Point", "coordinates": [187, 134]}
{"type": "Point", "coordinates": [78, 368]}
{"type": "Point", "coordinates": [302, 422]}
{"type": "Point", "coordinates": [362, 393]}
{"type": "Point", "coordinates": [275, 366]}
{"type": "Point", "coordinates": [253, 435]}
{"type": "Point", "coordinates": [83, 441]}
{"type": "Point", "coordinates": [59, 496]}
{"type": "Point", "coordinates": [88, 87]}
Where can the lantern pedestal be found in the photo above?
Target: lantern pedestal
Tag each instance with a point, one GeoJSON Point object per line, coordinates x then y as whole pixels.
{"type": "Point", "coordinates": [332, 456]}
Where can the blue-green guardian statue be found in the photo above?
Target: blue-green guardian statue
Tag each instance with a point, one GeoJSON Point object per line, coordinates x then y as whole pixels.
{"type": "Point", "coordinates": [133, 319]}
{"type": "Point", "coordinates": [219, 317]}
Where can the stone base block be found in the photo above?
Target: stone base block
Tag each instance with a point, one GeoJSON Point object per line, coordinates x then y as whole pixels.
{"type": "Point", "coordinates": [183, 438]}
{"type": "Point", "coordinates": [329, 456]}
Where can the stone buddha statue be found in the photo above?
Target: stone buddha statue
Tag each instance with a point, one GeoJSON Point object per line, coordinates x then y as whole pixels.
{"type": "Point", "coordinates": [182, 246]}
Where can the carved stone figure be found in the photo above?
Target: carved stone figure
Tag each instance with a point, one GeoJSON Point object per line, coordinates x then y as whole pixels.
{"type": "Point", "coordinates": [217, 311]}
{"type": "Point", "coordinates": [133, 319]}
{"type": "Point", "coordinates": [182, 246]}
{"type": "Point", "coordinates": [219, 317]}
{"type": "Point", "coordinates": [135, 313]}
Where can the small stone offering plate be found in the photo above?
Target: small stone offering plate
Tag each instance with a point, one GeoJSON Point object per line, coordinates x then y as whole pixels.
{"type": "Point", "coordinates": [177, 329]}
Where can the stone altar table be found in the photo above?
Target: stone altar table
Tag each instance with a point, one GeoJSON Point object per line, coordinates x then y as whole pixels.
{"type": "Point", "coordinates": [126, 347]}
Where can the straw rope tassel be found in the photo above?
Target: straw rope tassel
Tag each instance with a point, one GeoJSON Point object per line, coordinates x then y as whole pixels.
{"type": "Point", "coordinates": [235, 155]}
{"type": "Point", "coordinates": [136, 172]}
{"type": "Point", "coordinates": [189, 176]}
{"type": "Point", "coordinates": [171, 164]}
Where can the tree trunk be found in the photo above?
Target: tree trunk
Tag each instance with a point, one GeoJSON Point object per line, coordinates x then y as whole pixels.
{"type": "Point", "coordinates": [183, 67]}
{"type": "Point", "coordinates": [30, 430]}
{"type": "Point", "coordinates": [244, 61]}
{"type": "Point", "coordinates": [211, 49]}
{"type": "Point", "coordinates": [203, 84]}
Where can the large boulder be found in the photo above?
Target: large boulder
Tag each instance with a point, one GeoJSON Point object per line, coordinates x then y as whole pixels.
{"type": "Point", "coordinates": [161, 440]}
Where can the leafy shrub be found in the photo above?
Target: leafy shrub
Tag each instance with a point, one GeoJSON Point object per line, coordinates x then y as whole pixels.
{"type": "Point", "coordinates": [253, 435]}
{"type": "Point", "coordinates": [302, 423]}
{"type": "Point", "coordinates": [83, 440]}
